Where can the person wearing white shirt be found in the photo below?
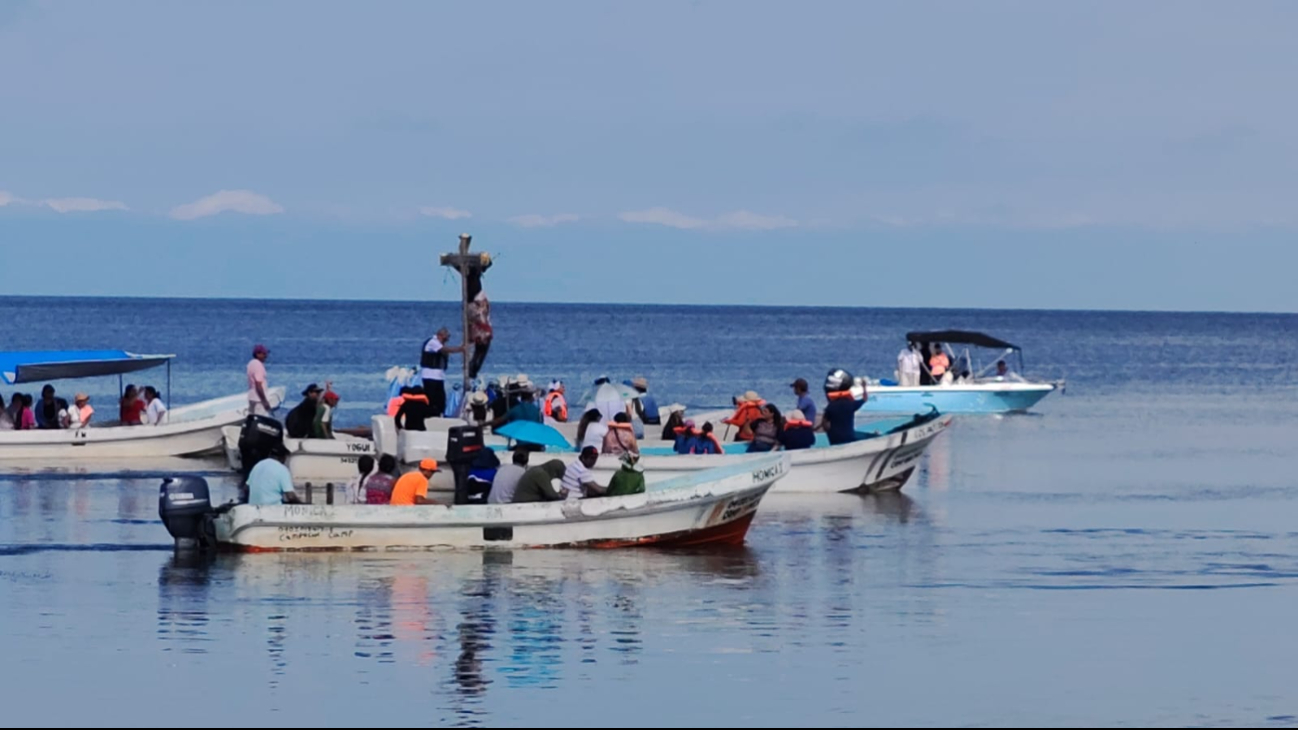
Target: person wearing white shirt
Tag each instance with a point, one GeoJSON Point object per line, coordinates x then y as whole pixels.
{"type": "Point", "coordinates": [80, 412]}
{"type": "Point", "coordinates": [156, 412]}
{"type": "Point", "coordinates": [908, 367]}
{"type": "Point", "coordinates": [578, 479]}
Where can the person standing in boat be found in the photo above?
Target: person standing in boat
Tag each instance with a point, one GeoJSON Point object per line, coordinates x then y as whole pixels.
{"type": "Point", "coordinates": [846, 396]}
{"type": "Point", "coordinates": [298, 422]}
{"type": "Point", "coordinates": [414, 410]}
{"type": "Point", "coordinates": [805, 404]}
{"type": "Point", "coordinates": [432, 362]}
{"type": "Point", "coordinates": [258, 398]}
{"type": "Point", "coordinates": [155, 414]}
{"type": "Point", "coordinates": [323, 426]}
{"type": "Point", "coordinates": [939, 365]}
{"type": "Point", "coordinates": [131, 409]}
{"type": "Point", "coordinates": [909, 365]}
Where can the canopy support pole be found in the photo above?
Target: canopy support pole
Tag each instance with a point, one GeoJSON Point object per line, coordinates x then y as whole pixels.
{"type": "Point", "coordinates": [168, 385]}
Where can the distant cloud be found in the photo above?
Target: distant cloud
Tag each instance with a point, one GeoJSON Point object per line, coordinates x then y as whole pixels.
{"type": "Point", "coordinates": [533, 220]}
{"type": "Point", "coordinates": [450, 214]}
{"type": "Point", "coordinates": [63, 205]}
{"type": "Point", "coordinates": [82, 205]}
{"type": "Point", "coordinates": [739, 220]}
{"type": "Point", "coordinates": [233, 201]}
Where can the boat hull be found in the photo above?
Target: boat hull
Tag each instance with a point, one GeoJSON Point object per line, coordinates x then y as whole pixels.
{"type": "Point", "coordinates": [191, 431]}
{"type": "Point", "coordinates": [310, 460]}
{"type": "Point", "coordinates": [713, 507]}
{"type": "Point", "coordinates": [880, 463]}
{"type": "Point", "coordinates": [967, 399]}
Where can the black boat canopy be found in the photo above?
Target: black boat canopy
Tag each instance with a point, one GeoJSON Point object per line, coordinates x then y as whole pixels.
{"type": "Point", "coordinates": [959, 337]}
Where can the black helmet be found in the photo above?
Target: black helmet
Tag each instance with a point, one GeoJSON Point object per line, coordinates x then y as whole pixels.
{"type": "Point", "coordinates": [838, 380]}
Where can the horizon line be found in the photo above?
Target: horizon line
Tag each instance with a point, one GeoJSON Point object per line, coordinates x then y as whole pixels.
{"type": "Point", "coordinates": [305, 300]}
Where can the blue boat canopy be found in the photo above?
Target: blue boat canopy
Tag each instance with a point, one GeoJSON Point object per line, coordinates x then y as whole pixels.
{"type": "Point", "coordinates": [32, 367]}
{"type": "Point", "coordinates": [959, 337]}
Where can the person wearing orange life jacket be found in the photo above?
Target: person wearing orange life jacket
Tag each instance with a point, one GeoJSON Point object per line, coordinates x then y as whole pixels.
{"type": "Point", "coordinates": [556, 404]}
{"type": "Point", "coordinates": [686, 437]}
{"type": "Point", "coordinates": [798, 432]}
{"type": "Point", "coordinates": [846, 396]}
{"type": "Point", "coordinates": [414, 410]}
{"type": "Point", "coordinates": [706, 441]}
{"type": "Point", "coordinates": [748, 408]}
{"type": "Point", "coordinates": [620, 438]}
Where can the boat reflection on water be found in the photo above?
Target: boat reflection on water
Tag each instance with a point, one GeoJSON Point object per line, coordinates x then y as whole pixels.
{"type": "Point", "coordinates": [527, 618]}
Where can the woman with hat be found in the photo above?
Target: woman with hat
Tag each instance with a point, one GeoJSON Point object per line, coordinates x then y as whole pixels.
{"type": "Point", "coordinates": [80, 412]}
{"type": "Point", "coordinates": [748, 408]}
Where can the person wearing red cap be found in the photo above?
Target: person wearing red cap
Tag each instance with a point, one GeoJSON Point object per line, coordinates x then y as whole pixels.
{"type": "Point", "coordinates": [258, 401]}
{"type": "Point", "coordinates": [412, 487]}
{"type": "Point", "coordinates": [323, 428]}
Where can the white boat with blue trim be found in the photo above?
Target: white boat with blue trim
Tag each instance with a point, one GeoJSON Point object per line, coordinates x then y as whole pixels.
{"type": "Point", "coordinates": [710, 507]}
{"type": "Point", "coordinates": [963, 388]}
{"type": "Point", "coordinates": [883, 458]}
{"type": "Point", "coordinates": [186, 431]}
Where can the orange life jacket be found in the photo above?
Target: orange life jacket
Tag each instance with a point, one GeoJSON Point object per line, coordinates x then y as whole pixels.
{"type": "Point", "coordinates": [796, 424]}
{"type": "Point", "coordinates": [394, 405]}
{"type": "Point", "coordinates": [558, 411]}
{"type": "Point", "coordinates": [745, 413]}
{"type": "Point", "coordinates": [715, 442]}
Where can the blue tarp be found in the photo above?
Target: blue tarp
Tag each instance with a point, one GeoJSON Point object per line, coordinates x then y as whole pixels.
{"type": "Point", "coordinates": [33, 367]}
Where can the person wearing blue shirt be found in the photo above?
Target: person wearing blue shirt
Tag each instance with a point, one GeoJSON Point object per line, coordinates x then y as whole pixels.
{"type": "Point", "coordinates": [805, 403]}
{"type": "Point", "coordinates": [645, 405]}
{"type": "Point", "coordinates": [270, 482]}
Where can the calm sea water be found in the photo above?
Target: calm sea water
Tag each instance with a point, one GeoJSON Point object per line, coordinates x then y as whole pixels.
{"type": "Point", "coordinates": [1127, 555]}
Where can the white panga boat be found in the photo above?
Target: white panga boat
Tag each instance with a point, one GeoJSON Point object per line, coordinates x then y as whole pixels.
{"type": "Point", "coordinates": [882, 458]}
{"type": "Point", "coordinates": [714, 506]}
{"type": "Point", "coordinates": [189, 430]}
{"type": "Point", "coordinates": [310, 460]}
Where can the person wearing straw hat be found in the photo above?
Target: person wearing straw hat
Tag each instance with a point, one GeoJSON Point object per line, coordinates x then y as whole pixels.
{"type": "Point", "coordinates": [80, 412]}
{"type": "Point", "coordinates": [798, 432]}
{"type": "Point", "coordinates": [748, 408]}
{"type": "Point", "coordinates": [646, 407]}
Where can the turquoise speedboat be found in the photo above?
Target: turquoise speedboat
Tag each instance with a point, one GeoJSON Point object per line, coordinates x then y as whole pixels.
{"type": "Point", "coordinates": [964, 388]}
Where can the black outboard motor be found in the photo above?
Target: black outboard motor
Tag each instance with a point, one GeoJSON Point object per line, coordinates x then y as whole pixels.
{"type": "Point", "coordinates": [258, 435]}
{"type": "Point", "coordinates": [462, 446]}
{"type": "Point", "coordinates": [185, 506]}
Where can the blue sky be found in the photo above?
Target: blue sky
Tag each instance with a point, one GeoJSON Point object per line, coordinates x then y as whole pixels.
{"type": "Point", "coordinates": [1088, 155]}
